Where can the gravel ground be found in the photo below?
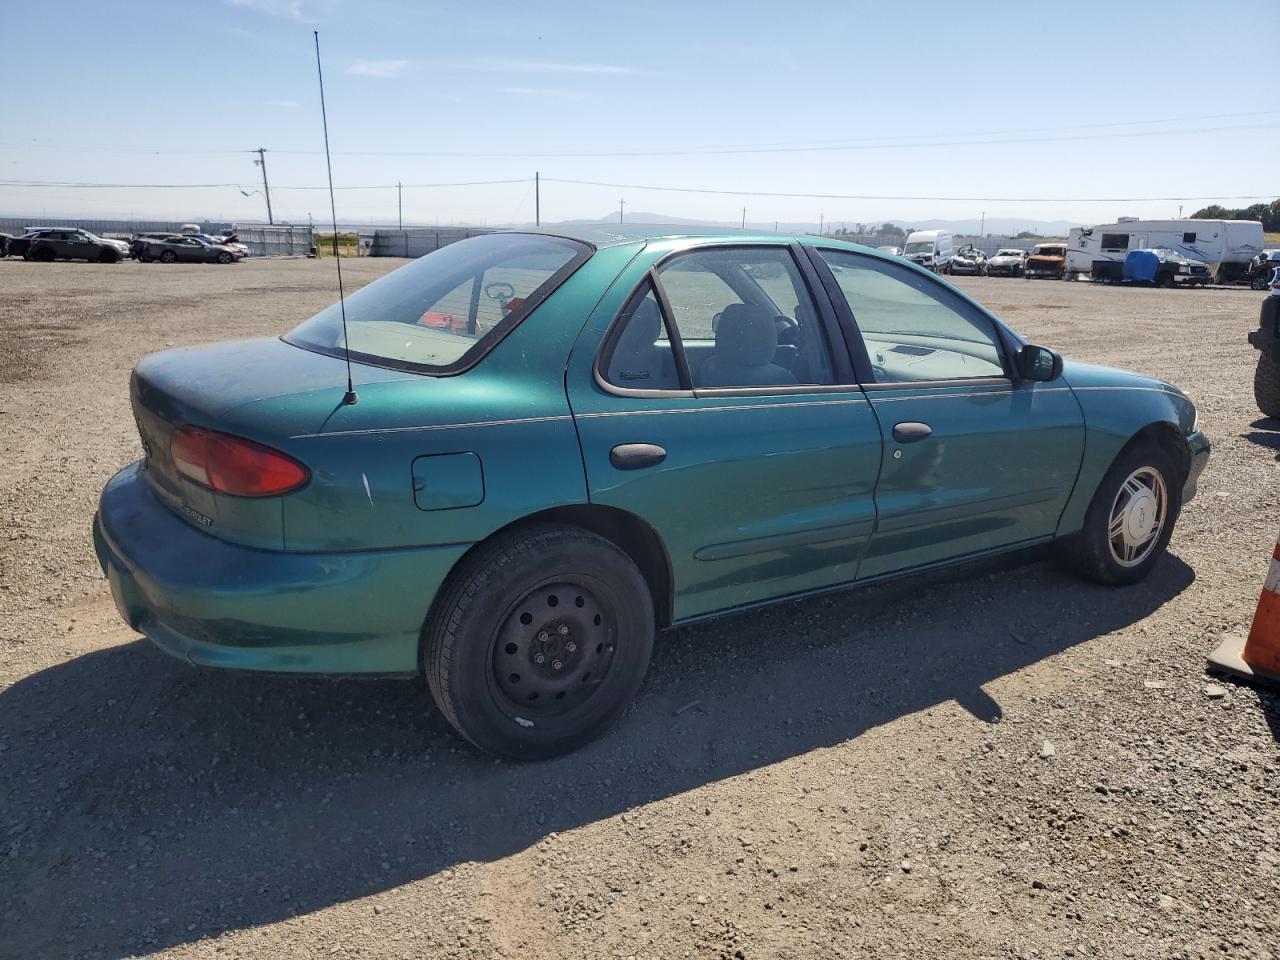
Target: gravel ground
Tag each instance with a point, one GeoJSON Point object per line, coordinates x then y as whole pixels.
{"type": "Point", "coordinates": [863, 775]}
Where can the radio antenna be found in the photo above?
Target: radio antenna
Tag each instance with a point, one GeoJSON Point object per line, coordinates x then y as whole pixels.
{"type": "Point", "coordinates": [350, 396]}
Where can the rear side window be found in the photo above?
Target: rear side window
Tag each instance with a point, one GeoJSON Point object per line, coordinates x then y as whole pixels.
{"type": "Point", "coordinates": [640, 356]}
{"type": "Point", "coordinates": [914, 327]}
{"type": "Point", "coordinates": [443, 312]}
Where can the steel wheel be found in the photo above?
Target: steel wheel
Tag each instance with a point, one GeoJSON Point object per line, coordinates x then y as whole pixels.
{"type": "Point", "coordinates": [554, 649]}
{"type": "Point", "coordinates": [1137, 516]}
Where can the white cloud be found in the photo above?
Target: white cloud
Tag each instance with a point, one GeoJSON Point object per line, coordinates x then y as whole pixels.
{"type": "Point", "coordinates": [289, 9]}
{"type": "Point", "coordinates": [379, 68]}
{"type": "Point", "coordinates": [284, 104]}
{"type": "Point", "coordinates": [548, 92]}
{"type": "Point", "coordinates": [502, 65]}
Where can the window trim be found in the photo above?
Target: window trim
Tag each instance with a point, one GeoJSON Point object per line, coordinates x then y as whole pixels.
{"type": "Point", "coordinates": [500, 330]}
{"type": "Point", "coordinates": [843, 370]}
{"type": "Point", "coordinates": [1003, 334]}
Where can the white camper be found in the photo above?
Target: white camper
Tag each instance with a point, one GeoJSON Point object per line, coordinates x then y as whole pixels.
{"type": "Point", "coordinates": [1226, 246]}
{"type": "Point", "coordinates": [932, 249]}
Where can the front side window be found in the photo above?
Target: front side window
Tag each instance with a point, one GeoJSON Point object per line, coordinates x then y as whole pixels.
{"type": "Point", "coordinates": [914, 328]}
{"type": "Point", "coordinates": [745, 318]}
{"type": "Point", "coordinates": [443, 310]}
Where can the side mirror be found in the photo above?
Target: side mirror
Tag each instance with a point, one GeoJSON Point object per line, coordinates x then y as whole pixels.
{"type": "Point", "coordinates": [1039, 364]}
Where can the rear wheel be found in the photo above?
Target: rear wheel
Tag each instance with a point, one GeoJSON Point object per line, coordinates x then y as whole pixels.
{"type": "Point", "coordinates": [168, 256]}
{"type": "Point", "coordinates": [1266, 386]}
{"type": "Point", "coordinates": [538, 642]}
{"type": "Point", "coordinates": [43, 254]}
{"type": "Point", "coordinates": [1130, 519]}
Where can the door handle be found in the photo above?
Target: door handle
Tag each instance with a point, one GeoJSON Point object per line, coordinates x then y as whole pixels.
{"type": "Point", "coordinates": [633, 456]}
{"type": "Point", "coordinates": [909, 431]}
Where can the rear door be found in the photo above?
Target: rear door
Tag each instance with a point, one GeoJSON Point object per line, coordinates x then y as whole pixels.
{"type": "Point", "coordinates": [714, 399]}
{"type": "Point", "coordinates": [974, 459]}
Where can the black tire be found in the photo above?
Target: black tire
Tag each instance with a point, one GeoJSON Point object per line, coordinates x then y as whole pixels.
{"type": "Point", "coordinates": [224, 257]}
{"type": "Point", "coordinates": [43, 255]}
{"type": "Point", "coordinates": [1266, 386]}
{"type": "Point", "coordinates": [1090, 552]}
{"type": "Point", "coordinates": [108, 255]}
{"type": "Point", "coordinates": [168, 256]}
{"type": "Point", "coordinates": [494, 619]}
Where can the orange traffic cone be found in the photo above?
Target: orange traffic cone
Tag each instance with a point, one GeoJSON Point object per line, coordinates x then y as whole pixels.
{"type": "Point", "coordinates": [1256, 657]}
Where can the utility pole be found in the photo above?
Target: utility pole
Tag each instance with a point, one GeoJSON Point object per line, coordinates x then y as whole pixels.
{"type": "Point", "coordinates": [621, 203]}
{"type": "Point", "coordinates": [266, 190]}
{"type": "Point", "coordinates": [400, 203]}
{"type": "Point", "coordinates": [744, 218]}
{"type": "Point", "coordinates": [982, 230]}
{"type": "Point", "coordinates": [820, 220]}
{"type": "Point", "coordinates": [537, 199]}
{"type": "Point", "coordinates": [775, 226]}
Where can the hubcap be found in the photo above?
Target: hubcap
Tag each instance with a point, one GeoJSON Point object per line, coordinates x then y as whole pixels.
{"type": "Point", "coordinates": [554, 649]}
{"type": "Point", "coordinates": [1137, 516]}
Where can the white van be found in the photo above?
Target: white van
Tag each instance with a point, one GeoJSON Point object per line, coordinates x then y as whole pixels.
{"type": "Point", "coordinates": [932, 249]}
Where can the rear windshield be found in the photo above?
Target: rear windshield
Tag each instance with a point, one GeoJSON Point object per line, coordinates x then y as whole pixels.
{"type": "Point", "coordinates": [445, 310]}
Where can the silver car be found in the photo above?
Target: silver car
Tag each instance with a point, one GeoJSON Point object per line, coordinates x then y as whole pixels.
{"type": "Point", "coordinates": [188, 250]}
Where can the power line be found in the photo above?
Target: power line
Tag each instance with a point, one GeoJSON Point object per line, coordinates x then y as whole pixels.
{"type": "Point", "coordinates": [854, 196]}
{"type": "Point", "coordinates": [862, 143]}
{"type": "Point", "coordinates": [236, 186]}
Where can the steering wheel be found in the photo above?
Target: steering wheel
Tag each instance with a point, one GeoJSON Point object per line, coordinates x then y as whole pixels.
{"type": "Point", "coordinates": [499, 290]}
{"type": "Point", "coordinates": [788, 330]}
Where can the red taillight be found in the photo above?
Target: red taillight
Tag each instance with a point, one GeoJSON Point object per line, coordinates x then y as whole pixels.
{"type": "Point", "coordinates": [233, 465]}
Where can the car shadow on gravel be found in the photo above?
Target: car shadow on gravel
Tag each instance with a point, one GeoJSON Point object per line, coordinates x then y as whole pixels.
{"type": "Point", "coordinates": [1265, 433]}
{"type": "Point", "coordinates": [152, 805]}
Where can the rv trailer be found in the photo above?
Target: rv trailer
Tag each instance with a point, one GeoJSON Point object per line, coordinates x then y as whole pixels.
{"type": "Point", "coordinates": [1226, 246]}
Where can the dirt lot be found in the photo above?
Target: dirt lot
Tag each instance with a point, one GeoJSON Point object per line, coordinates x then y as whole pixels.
{"type": "Point", "coordinates": [857, 776]}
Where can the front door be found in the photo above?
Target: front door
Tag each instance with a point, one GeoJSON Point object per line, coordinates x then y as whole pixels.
{"type": "Point", "coordinates": [721, 408]}
{"type": "Point", "coordinates": [974, 458]}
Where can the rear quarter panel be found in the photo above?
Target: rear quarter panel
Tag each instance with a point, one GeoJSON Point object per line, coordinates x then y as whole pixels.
{"type": "Point", "coordinates": [510, 410]}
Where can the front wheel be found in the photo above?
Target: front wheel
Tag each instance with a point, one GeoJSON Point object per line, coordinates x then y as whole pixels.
{"type": "Point", "coordinates": [538, 642]}
{"type": "Point", "coordinates": [224, 257]}
{"type": "Point", "coordinates": [1130, 519]}
{"type": "Point", "coordinates": [168, 256]}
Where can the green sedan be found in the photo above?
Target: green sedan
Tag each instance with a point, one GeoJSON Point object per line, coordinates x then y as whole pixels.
{"type": "Point", "coordinates": [555, 444]}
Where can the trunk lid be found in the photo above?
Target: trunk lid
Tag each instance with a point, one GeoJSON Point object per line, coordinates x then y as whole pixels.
{"type": "Point", "coordinates": [264, 390]}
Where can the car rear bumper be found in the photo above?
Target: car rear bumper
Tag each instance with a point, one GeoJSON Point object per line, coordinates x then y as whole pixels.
{"type": "Point", "coordinates": [219, 604]}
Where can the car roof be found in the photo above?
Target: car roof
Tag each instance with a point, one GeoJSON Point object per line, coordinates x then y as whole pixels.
{"type": "Point", "coordinates": [615, 234]}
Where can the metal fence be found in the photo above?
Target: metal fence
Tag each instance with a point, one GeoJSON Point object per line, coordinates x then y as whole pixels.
{"type": "Point", "coordinates": [277, 241]}
{"type": "Point", "coordinates": [420, 241]}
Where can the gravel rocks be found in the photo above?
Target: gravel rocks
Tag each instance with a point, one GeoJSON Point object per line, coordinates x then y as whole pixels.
{"type": "Point", "coordinates": [153, 809]}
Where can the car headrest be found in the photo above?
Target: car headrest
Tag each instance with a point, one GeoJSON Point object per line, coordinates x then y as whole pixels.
{"type": "Point", "coordinates": [746, 336]}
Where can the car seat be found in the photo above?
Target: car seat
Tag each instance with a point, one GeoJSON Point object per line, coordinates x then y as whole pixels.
{"type": "Point", "coordinates": [746, 343]}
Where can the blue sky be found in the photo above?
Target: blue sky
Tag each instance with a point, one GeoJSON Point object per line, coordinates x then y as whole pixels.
{"type": "Point", "coordinates": [177, 93]}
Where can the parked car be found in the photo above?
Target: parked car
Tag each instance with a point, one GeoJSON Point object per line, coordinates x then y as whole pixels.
{"type": "Point", "coordinates": [1008, 262]}
{"type": "Point", "coordinates": [1046, 261]}
{"type": "Point", "coordinates": [1260, 269]}
{"type": "Point", "coordinates": [49, 245]}
{"type": "Point", "coordinates": [18, 246]}
{"type": "Point", "coordinates": [969, 261]}
{"type": "Point", "coordinates": [140, 240]}
{"type": "Point", "coordinates": [510, 502]}
{"type": "Point", "coordinates": [5, 239]}
{"type": "Point", "coordinates": [1155, 267]}
{"type": "Point", "coordinates": [187, 250]}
